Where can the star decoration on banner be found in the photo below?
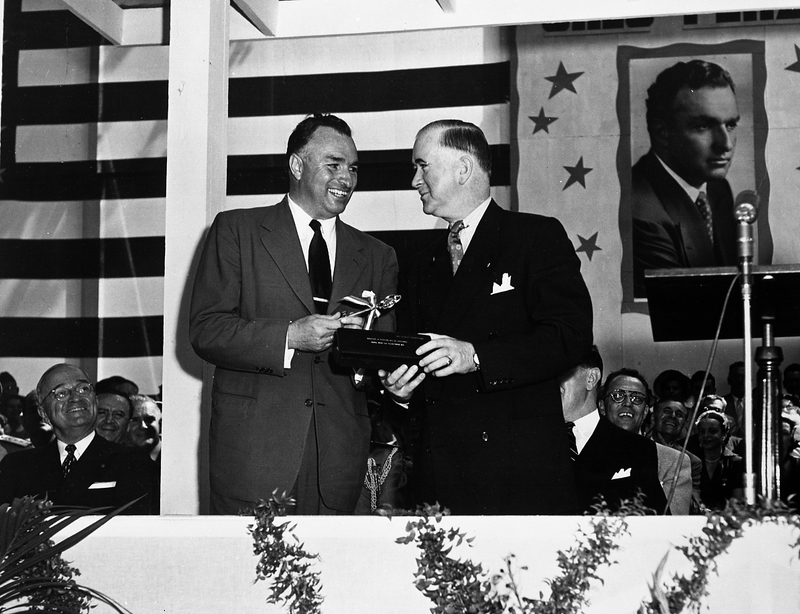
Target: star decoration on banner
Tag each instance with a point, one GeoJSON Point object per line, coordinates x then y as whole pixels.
{"type": "Point", "coordinates": [562, 80]}
{"type": "Point", "coordinates": [589, 246]}
{"type": "Point", "coordinates": [541, 121]}
{"type": "Point", "coordinates": [577, 174]}
{"type": "Point", "coordinates": [796, 66]}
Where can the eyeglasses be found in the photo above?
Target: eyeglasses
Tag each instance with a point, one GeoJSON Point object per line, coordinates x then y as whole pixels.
{"type": "Point", "coordinates": [62, 393]}
{"type": "Point", "coordinates": [619, 396]}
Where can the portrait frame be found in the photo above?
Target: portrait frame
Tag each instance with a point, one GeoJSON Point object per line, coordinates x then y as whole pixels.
{"type": "Point", "coordinates": [637, 67]}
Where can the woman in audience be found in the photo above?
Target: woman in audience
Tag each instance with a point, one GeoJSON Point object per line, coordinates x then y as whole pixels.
{"type": "Point", "coordinates": [723, 471]}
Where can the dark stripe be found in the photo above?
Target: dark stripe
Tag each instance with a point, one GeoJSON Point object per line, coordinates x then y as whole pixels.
{"type": "Point", "coordinates": [85, 180]}
{"type": "Point", "coordinates": [258, 174]}
{"type": "Point", "coordinates": [49, 30]}
{"type": "Point", "coordinates": [424, 88]}
{"type": "Point", "coordinates": [82, 337]}
{"type": "Point", "coordinates": [81, 258]}
{"type": "Point", "coordinates": [91, 102]}
{"type": "Point", "coordinates": [378, 171]}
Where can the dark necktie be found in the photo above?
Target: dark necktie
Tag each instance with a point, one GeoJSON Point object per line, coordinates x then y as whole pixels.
{"type": "Point", "coordinates": [573, 443]}
{"type": "Point", "coordinates": [454, 244]}
{"type": "Point", "coordinates": [70, 460]}
{"type": "Point", "coordinates": [319, 269]}
{"type": "Point", "coordinates": [705, 211]}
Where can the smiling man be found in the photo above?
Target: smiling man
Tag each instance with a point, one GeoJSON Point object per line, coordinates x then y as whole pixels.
{"type": "Point", "coordinates": [682, 202]}
{"type": "Point", "coordinates": [264, 310]}
{"type": "Point", "coordinates": [113, 416]}
{"type": "Point", "coordinates": [77, 467]}
{"type": "Point", "coordinates": [503, 294]}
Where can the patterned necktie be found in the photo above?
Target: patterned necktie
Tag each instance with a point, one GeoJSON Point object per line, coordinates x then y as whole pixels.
{"type": "Point", "coordinates": [70, 460]}
{"type": "Point", "coordinates": [454, 244]}
{"type": "Point", "coordinates": [573, 443]}
{"type": "Point", "coordinates": [705, 211]}
{"type": "Point", "coordinates": [319, 269]}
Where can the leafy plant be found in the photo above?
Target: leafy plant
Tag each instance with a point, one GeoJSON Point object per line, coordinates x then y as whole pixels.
{"type": "Point", "coordinates": [721, 529]}
{"type": "Point", "coordinates": [33, 576]}
{"type": "Point", "coordinates": [294, 584]}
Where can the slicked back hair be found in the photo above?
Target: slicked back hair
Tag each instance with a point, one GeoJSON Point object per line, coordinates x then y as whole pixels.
{"type": "Point", "coordinates": [694, 75]}
{"type": "Point", "coordinates": [463, 136]}
{"type": "Point", "coordinates": [303, 132]}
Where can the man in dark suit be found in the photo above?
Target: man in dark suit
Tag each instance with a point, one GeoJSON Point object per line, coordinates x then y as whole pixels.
{"type": "Point", "coordinates": [283, 417]}
{"type": "Point", "coordinates": [611, 461]}
{"type": "Point", "coordinates": [682, 202]}
{"type": "Point", "coordinates": [78, 467]}
{"type": "Point", "coordinates": [503, 293]}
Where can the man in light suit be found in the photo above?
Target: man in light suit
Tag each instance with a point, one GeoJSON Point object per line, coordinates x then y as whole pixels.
{"type": "Point", "coordinates": [78, 467]}
{"type": "Point", "coordinates": [283, 416]}
{"type": "Point", "coordinates": [682, 202]}
{"type": "Point", "coordinates": [611, 462]}
{"type": "Point", "coordinates": [507, 319]}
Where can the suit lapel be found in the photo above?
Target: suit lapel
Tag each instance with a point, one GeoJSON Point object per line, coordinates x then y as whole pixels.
{"type": "Point", "coordinates": [348, 267]}
{"type": "Point", "coordinates": [279, 238]}
{"type": "Point", "coordinates": [91, 463]}
{"type": "Point", "coordinates": [474, 272]}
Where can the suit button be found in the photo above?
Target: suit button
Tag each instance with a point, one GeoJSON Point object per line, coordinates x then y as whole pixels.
{"type": "Point", "coordinates": [317, 360]}
{"type": "Point", "coordinates": [308, 402]}
{"type": "Point", "coordinates": [268, 371]}
{"type": "Point", "coordinates": [485, 436]}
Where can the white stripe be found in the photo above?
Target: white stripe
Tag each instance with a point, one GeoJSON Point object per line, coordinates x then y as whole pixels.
{"type": "Point", "coordinates": [273, 57]}
{"type": "Point", "coordinates": [63, 298]}
{"type": "Point", "coordinates": [371, 131]}
{"type": "Point", "coordinates": [246, 135]}
{"type": "Point", "coordinates": [140, 217]}
{"type": "Point", "coordinates": [375, 211]}
{"type": "Point", "coordinates": [93, 141]}
{"type": "Point", "coordinates": [369, 53]}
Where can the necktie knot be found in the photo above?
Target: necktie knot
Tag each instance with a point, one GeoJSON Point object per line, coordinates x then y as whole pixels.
{"type": "Point", "coordinates": [319, 269]}
{"type": "Point", "coordinates": [69, 460]}
{"type": "Point", "coordinates": [705, 211]}
{"type": "Point", "coordinates": [571, 440]}
{"type": "Point", "coordinates": [454, 245]}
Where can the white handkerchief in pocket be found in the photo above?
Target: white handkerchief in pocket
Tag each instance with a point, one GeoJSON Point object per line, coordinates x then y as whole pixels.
{"type": "Point", "coordinates": [98, 485]}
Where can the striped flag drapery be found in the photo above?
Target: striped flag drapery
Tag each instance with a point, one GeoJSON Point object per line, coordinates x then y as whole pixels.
{"type": "Point", "coordinates": [83, 165]}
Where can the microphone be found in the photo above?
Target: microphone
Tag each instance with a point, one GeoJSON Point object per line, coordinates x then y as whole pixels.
{"type": "Point", "coordinates": [745, 208]}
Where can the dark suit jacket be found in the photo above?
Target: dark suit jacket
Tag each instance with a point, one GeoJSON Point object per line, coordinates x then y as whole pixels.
{"type": "Point", "coordinates": [494, 441]}
{"type": "Point", "coordinates": [37, 472]}
{"type": "Point", "coordinates": [612, 450]}
{"type": "Point", "coordinates": [251, 283]}
{"type": "Point", "coordinates": [668, 230]}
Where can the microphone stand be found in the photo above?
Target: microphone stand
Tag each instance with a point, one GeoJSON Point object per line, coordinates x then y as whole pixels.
{"type": "Point", "coordinates": [745, 217]}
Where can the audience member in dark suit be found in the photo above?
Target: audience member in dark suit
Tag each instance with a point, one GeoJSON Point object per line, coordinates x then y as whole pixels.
{"type": "Point", "coordinates": [77, 468]}
{"type": "Point", "coordinates": [735, 398]}
{"type": "Point", "coordinates": [609, 461]}
{"type": "Point", "coordinates": [283, 416]}
{"type": "Point", "coordinates": [512, 313]}
{"type": "Point", "coordinates": [682, 202]}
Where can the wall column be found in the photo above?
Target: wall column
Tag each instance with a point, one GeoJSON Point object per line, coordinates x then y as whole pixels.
{"type": "Point", "coordinates": [196, 180]}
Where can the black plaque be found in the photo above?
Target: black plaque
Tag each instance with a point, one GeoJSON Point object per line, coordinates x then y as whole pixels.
{"type": "Point", "coordinates": [372, 349]}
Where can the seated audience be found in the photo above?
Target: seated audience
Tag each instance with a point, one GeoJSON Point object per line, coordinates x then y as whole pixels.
{"type": "Point", "coordinates": [12, 409]}
{"type": "Point", "coordinates": [669, 420]}
{"type": "Point", "coordinates": [790, 450]}
{"type": "Point", "coordinates": [714, 401]}
{"type": "Point", "coordinates": [696, 387]}
{"type": "Point", "coordinates": [117, 384]}
{"type": "Point", "coordinates": [38, 429]}
{"type": "Point", "coordinates": [113, 415]}
{"type": "Point", "coordinates": [723, 471]}
{"type": "Point", "coordinates": [8, 386]}
{"type": "Point", "coordinates": [673, 385]}
{"type": "Point", "coordinates": [608, 461]}
{"type": "Point", "coordinates": [669, 459]}
{"type": "Point", "coordinates": [791, 379]}
{"type": "Point", "coordinates": [735, 398]}
{"type": "Point", "coordinates": [144, 429]}
{"type": "Point", "coordinates": [77, 468]}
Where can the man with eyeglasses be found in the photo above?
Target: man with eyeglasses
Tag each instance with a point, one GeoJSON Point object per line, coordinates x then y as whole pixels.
{"type": "Point", "coordinates": [609, 462]}
{"type": "Point", "coordinates": [78, 467]}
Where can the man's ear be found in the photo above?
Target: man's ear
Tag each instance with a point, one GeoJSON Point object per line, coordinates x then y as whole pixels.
{"type": "Point", "coordinates": [659, 133]}
{"type": "Point", "coordinates": [592, 378]}
{"type": "Point", "coordinates": [466, 166]}
{"type": "Point", "coordinates": [296, 166]}
{"type": "Point", "coordinates": [44, 415]}
{"type": "Point", "coordinates": [601, 407]}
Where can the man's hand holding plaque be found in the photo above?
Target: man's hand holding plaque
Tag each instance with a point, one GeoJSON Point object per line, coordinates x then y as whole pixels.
{"type": "Point", "coordinates": [368, 349]}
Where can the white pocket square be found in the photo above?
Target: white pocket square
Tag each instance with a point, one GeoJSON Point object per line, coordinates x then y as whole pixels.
{"type": "Point", "coordinates": [503, 286]}
{"type": "Point", "coordinates": [621, 473]}
{"type": "Point", "coordinates": [97, 485]}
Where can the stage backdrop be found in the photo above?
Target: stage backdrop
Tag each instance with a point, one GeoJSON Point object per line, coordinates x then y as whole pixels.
{"type": "Point", "coordinates": [579, 125]}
